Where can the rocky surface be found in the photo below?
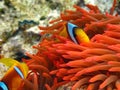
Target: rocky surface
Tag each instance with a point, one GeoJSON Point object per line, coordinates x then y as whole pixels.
{"type": "Point", "coordinates": [19, 20]}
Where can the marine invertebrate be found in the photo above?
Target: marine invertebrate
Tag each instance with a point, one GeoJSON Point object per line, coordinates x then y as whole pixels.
{"type": "Point", "coordinates": [91, 65]}
{"type": "Point", "coordinates": [97, 65]}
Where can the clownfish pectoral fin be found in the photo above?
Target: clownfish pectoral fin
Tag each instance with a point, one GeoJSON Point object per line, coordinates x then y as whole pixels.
{"type": "Point", "coordinates": [3, 86]}
{"type": "Point", "coordinates": [71, 27]}
{"type": "Point", "coordinates": [19, 71]}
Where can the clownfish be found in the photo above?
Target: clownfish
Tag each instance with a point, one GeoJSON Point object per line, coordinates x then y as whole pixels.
{"type": "Point", "coordinates": [76, 34]}
{"type": "Point", "coordinates": [14, 75]}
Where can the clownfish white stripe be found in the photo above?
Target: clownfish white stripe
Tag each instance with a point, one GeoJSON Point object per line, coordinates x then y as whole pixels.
{"type": "Point", "coordinates": [18, 71]}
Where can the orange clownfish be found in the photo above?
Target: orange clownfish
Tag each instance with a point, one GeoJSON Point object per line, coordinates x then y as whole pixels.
{"type": "Point", "coordinates": [76, 34]}
{"type": "Point", "coordinates": [14, 75]}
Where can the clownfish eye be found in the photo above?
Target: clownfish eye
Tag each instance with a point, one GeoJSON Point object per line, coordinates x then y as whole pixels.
{"type": "Point", "coordinates": [3, 86]}
{"type": "Point", "coordinates": [19, 71]}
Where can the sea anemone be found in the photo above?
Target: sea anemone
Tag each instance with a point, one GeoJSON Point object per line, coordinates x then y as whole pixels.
{"type": "Point", "coordinates": [90, 65]}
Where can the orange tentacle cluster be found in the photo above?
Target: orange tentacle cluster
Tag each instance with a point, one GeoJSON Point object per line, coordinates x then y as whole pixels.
{"type": "Point", "coordinates": [92, 65]}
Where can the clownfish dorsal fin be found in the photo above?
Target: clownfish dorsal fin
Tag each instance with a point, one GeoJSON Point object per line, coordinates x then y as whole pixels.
{"type": "Point", "coordinates": [19, 71]}
{"type": "Point", "coordinates": [71, 27]}
{"type": "Point", "coordinates": [3, 86]}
